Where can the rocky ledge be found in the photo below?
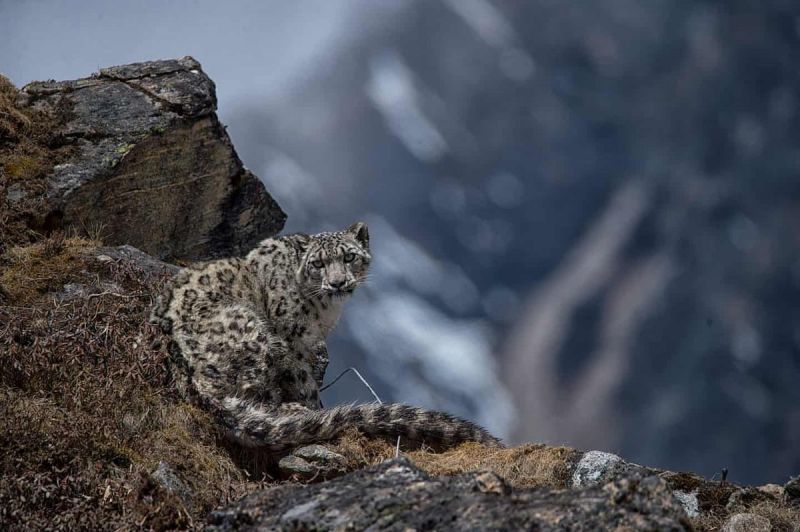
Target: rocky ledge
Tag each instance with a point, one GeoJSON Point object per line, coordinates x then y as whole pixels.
{"type": "Point", "coordinates": [531, 487]}
{"type": "Point", "coordinates": [396, 495]}
{"type": "Point", "coordinates": [151, 165]}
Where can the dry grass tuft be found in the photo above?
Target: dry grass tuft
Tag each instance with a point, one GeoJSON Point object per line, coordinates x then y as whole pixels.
{"type": "Point", "coordinates": [361, 451]}
{"type": "Point", "coordinates": [27, 130]}
{"type": "Point", "coordinates": [528, 465]}
{"type": "Point", "coordinates": [24, 167]}
{"type": "Point", "coordinates": [33, 270]}
{"type": "Point", "coordinates": [12, 121]}
{"type": "Point", "coordinates": [782, 517]}
{"type": "Point", "coordinates": [524, 466]}
{"type": "Point", "coordinates": [29, 148]}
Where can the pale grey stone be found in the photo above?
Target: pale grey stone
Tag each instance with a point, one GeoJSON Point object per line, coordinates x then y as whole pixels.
{"type": "Point", "coordinates": [593, 468]}
{"type": "Point", "coordinates": [689, 502]}
{"type": "Point", "coordinates": [746, 522]}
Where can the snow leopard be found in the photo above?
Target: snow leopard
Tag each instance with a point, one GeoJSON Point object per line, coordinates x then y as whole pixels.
{"type": "Point", "coordinates": [249, 335]}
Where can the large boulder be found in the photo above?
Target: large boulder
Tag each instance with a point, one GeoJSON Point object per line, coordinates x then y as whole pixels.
{"type": "Point", "coordinates": [395, 495]}
{"type": "Point", "coordinates": [152, 165]}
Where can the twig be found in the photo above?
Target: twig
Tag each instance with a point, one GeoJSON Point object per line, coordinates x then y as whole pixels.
{"type": "Point", "coordinates": [375, 395]}
{"type": "Point", "coordinates": [101, 294]}
{"type": "Point", "coordinates": [354, 370]}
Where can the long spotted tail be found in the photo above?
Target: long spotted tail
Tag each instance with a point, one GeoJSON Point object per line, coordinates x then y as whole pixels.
{"type": "Point", "coordinates": [285, 426]}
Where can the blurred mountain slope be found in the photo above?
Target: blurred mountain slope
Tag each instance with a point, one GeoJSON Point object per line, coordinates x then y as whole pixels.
{"type": "Point", "coordinates": [605, 195]}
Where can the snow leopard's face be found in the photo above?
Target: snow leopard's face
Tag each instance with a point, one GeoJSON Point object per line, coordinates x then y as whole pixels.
{"type": "Point", "coordinates": [336, 263]}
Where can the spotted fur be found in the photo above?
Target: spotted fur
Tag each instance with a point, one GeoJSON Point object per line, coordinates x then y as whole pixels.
{"type": "Point", "coordinates": [250, 334]}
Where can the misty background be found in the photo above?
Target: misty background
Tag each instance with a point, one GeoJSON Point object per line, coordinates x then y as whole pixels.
{"type": "Point", "coordinates": [585, 217]}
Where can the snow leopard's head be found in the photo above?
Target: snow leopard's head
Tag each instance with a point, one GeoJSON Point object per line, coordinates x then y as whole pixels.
{"type": "Point", "coordinates": [334, 264]}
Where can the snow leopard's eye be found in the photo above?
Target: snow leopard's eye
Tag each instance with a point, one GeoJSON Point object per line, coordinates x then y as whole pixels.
{"type": "Point", "coordinates": [349, 257]}
{"type": "Point", "coordinates": [317, 263]}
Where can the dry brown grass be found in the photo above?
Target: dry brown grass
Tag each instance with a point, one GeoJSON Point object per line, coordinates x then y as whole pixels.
{"type": "Point", "coordinates": [361, 451]}
{"type": "Point", "coordinates": [29, 148]}
{"type": "Point", "coordinates": [715, 506]}
{"type": "Point", "coordinates": [88, 405]}
{"type": "Point", "coordinates": [26, 136]}
{"type": "Point", "coordinates": [528, 465]}
{"type": "Point", "coordinates": [524, 466]}
{"type": "Point", "coordinates": [36, 269]}
{"type": "Point", "coordinates": [12, 120]}
{"type": "Point", "coordinates": [782, 517]}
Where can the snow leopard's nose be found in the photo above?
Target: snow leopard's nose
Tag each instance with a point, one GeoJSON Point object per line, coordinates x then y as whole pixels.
{"type": "Point", "coordinates": [337, 284]}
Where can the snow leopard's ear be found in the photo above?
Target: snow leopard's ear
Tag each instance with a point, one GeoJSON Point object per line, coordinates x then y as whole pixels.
{"type": "Point", "coordinates": [299, 242]}
{"type": "Point", "coordinates": [359, 230]}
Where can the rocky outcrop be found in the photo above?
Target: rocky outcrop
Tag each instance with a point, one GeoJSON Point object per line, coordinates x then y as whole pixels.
{"type": "Point", "coordinates": [536, 487]}
{"type": "Point", "coordinates": [395, 495]}
{"type": "Point", "coordinates": [152, 165]}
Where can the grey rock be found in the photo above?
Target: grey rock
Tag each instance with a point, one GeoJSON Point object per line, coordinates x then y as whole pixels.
{"type": "Point", "coordinates": [296, 466]}
{"type": "Point", "coordinates": [319, 454]}
{"type": "Point", "coordinates": [126, 257]}
{"type": "Point", "coordinates": [189, 91]}
{"type": "Point", "coordinates": [132, 255]}
{"type": "Point", "coordinates": [689, 501]}
{"type": "Point", "coordinates": [776, 491]}
{"type": "Point", "coordinates": [169, 480]}
{"type": "Point", "coordinates": [152, 164]}
{"type": "Point", "coordinates": [396, 495]}
{"type": "Point", "coordinates": [598, 467]}
{"type": "Point", "coordinates": [15, 193]}
{"type": "Point", "coordinates": [593, 467]}
{"type": "Point", "coordinates": [746, 522]}
{"type": "Point", "coordinates": [313, 462]}
{"type": "Point", "coordinates": [745, 497]}
{"type": "Point", "coordinates": [302, 513]}
{"type": "Point", "coordinates": [72, 291]}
